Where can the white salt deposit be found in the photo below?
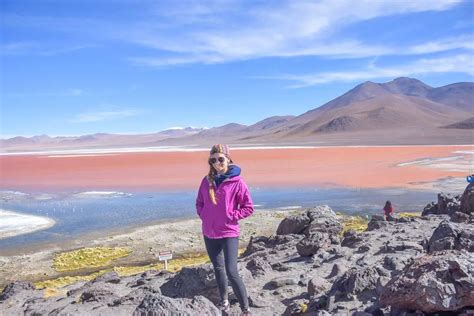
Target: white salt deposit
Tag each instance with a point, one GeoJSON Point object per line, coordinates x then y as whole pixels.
{"type": "Point", "coordinates": [103, 151]}
{"type": "Point", "coordinates": [101, 194]}
{"type": "Point", "coordinates": [13, 224]}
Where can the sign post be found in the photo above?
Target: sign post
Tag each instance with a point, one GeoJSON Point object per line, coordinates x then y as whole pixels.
{"type": "Point", "coordinates": [165, 256]}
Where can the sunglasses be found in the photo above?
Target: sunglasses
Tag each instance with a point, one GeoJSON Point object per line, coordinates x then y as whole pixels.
{"type": "Point", "coordinates": [214, 160]}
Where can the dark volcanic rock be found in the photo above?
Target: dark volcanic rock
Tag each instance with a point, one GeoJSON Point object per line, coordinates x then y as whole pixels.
{"type": "Point", "coordinates": [433, 283]}
{"type": "Point", "coordinates": [256, 243]}
{"type": "Point", "coordinates": [193, 281]}
{"type": "Point", "coordinates": [460, 217]}
{"type": "Point", "coordinates": [319, 219]}
{"type": "Point", "coordinates": [293, 224]}
{"type": "Point", "coordinates": [311, 244]}
{"type": "Point", "coordinates": [136, 296]}
{"type": "Point", "coordinates": [98, 295]}
{"type": "Point", "coordinates": [275, 243]}
{"type": "Point", "coordinates": [258, 266]}
{"type": "Point", "coordinates": [377, 222]}
{"type": "Point", "coordinates": [396, 262]}
{"type": "Point", "coordinates": [109, 277]}
{"type": "Point", "coordinates": [451, 236]}
{"type": "Point", "coordinates": [14, 288]}
{"type": "Point", "coordinates": [352, 239]}
{"type": "Point", "coordinates": [336, 270]}
{"type": "Point", "coordinates": [447, 204]}
{"type": "Point", "coordinates": [356, 281]}
{"type": "Point", "coordinates": [162, 305]}
{"type": "Point", "coordinates": [467, 199]}
{"type": "Point", "coordinates": [323, 220]}
{"type": "Point", "coordinates": [397, 246]}
{"type": "Point", "coordinates": [283, 281]}
{"type": "Point", "coordinates": [317, 286]}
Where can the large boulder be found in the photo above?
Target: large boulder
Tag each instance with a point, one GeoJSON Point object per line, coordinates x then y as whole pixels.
{"type": "Point", "coordinates": [193, 281]}
{"type": "Point", "coordinates": [295, 224]}
{"type": "Point", "coordinates": [467, 199]}
{"type": "Point", "coordinates": [317, 285]}
{"type": "Point", "coordinates": [450, 235]}
{"type": "Point", "coordinates": [273, 243]}
{"type": "Point", "coordinates": [258, 266]}
{"type": "Point", "coordinates": [14, 288]}
{"type": "Point", "coordinates": [352, 239]}
{"type": "Point", "coordinates": [323, 220]}
{"type": "Point", "coordinates": [161, 305]}
{"type": "Point", "coordinates": [320, 219]}
{"type": "Point", "coordinates": [376, 222]}
{"type": "Point", "coordinates": [311, 244]}
{"type": "Point", "coordinates": [433, 283]}
{"type": "Point", "coordinates": [356, 281]}
{"type": "Point", "coordinates": [447, 204]}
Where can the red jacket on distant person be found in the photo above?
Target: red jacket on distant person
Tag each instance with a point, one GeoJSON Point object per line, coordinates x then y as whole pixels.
{"type": "Point", "coordinates": [388, 209]}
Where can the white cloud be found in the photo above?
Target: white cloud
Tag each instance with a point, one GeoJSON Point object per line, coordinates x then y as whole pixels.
{"type": "Point", "coordinates": [465, 41]}
{"type": "Point", "coordinates": [71, 92]}
{"type": "Point", "coordinates": [103, 116]}
{"type": "Point", "coordinates": [21, 48]}
{"type": "Point", "coordinates": [200, 31]}
{"type": "Point", "coordinates": [296, 28]}
{"type": "Point", "coordinates": [462, 63]}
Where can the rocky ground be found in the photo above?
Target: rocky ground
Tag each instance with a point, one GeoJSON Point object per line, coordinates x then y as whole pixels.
{"type": "Point", "coordinates": [180, 236]}
{"type": "Point", "coordinates": [408, 266]}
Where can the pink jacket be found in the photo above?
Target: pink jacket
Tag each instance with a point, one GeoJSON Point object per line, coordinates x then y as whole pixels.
{"type": "Point", "coordinates": [233, 204]}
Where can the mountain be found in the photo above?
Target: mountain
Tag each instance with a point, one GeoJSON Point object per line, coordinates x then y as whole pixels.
{"type": "Point", "coordinates": [98, 140]}
{"type": "Point", "coordinates": [181, 131]}
{"type": "Point", "coordinates": [458, 95]}
{"type": "Point", "coordinates": [401, 111]}
{"type": "Point", "coordinates": [268, 123]}
{"type": "Point", "coordinates": [400, 104]}
{"type": "Point", "coordinates": [466, 124]}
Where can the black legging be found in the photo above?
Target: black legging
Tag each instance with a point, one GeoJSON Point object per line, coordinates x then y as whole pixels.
{"type": "Point", "coordinates": [224, 251]}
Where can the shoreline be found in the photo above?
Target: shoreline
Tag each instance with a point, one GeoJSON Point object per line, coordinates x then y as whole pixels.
{"type": "Point", "coordinates": [184, 236]}
{"type": "Point", "coordinates": [79, 238]}
{"type": "Point", "coordinates": [88, 152]}
{"type": "Point", "coordinates": [27, 225]}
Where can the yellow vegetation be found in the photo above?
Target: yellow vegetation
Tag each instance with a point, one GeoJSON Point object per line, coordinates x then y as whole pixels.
{"type": "Point", "coordinates": [88, 258]}
{"type": "Point", "coordinates": [357, 223]}
{"type": "Point", "coordinates": [52, 292]}
{"type": "Point", "coordinates": [408, 214]}
{"type": "Point", "coordinates": [174, 265]}
{"type": "Point", "coordinates": [304, 308]}
{"type": "Point", "coordinates": [63, 281]}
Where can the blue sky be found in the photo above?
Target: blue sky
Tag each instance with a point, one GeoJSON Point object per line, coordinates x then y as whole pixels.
{"type": "Point", "coordinates": [124, 66]}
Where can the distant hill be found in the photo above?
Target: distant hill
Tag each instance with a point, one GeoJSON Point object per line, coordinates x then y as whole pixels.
{"type": "Point", "coordinates": [401, 111]}
{"type": "Point", "coordinates": [466, 124]}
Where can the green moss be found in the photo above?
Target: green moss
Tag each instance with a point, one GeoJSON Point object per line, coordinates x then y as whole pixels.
{"type": "Point", "coordinates": [88, 258]}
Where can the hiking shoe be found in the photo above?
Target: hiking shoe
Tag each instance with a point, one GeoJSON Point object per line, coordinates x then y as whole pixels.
{"type": "Point", "coordinates": [224, 306]}
{"type": "Point", "coordinates": [246, 313]}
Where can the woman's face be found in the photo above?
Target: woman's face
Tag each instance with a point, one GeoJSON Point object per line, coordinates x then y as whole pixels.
{"type": "Point", "coordinates": [220, 162]}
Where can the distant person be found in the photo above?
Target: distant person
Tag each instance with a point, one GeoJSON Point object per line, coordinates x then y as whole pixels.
{"type": "Point", "coordinates": [224, 199]}
{"type": "Point", "coordinates": [388, 210]}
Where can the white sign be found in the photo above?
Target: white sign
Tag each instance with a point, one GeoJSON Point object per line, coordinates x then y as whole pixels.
{"type": "Point", "coordinates": [165, 255]}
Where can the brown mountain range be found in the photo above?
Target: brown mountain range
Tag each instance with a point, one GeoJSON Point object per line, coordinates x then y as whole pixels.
{"type": "Point", "coordinates": [402, 111]}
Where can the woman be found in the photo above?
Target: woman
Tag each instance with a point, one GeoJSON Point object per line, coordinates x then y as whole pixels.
{"type": "Point", "coordinates": [224, 199]}
{"type": "Point", "coordinates": [388, 210]}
